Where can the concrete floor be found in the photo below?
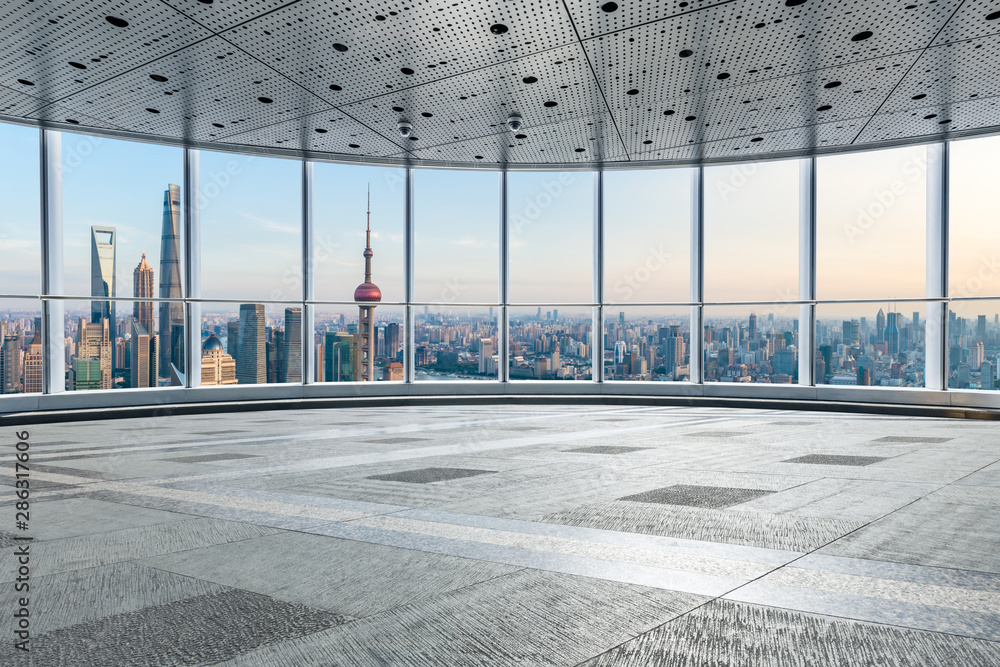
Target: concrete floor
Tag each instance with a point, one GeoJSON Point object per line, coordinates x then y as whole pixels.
{"type": "Point", "coordinates": [597, 536]}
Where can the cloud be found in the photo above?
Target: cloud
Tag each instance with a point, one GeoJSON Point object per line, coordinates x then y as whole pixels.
{"type": "Point", "coordinates": [12, 244]}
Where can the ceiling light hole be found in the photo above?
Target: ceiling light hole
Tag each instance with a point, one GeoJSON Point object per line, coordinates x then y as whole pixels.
{"type": "Point", "coordinates": [117, 22]}
{"type": "Point", "coordinates": [993, 17]}
{"type": "Point", "coordinates": [340, 47]}
{"type": "Point", "coordinates": [159, 78]}
{"type": "Point", "coordinates": [321, 130]}
{"type": "Point", "coordinates": [609, 7]}
{"type": "Point", "coordinates": [406, 70]}
{"type": "Point", "coordinates": [77, 65]}
{"type": "Point", "coordinates": [25, 82]}
{"type": "Point", "coordinates": [686, 53]}
{"type": "Point", "coordinates": [825, 107]}
{"type": "Point", "coordinates": [723, 76]}
{"type": "Point", "coordinates": [335, 87]}
{"type": "Point", "coordinates": [265, 100]}
{"type": "Point", "coordinates": [152, 110]}
{"type": "Point", "coordinates": [919, 97]}
{"type": "Point", "coordinates": [529, 79]}
{"type": "Point", "coordinates": [498, 28]}
{"type": "Point", "coordinates": [862, 36]}
{"type": "Point", "coordinates": [550, 104]}
{"type": "Point", "coordinates": [832, 84]}
{"type": "Point", "coordinates": [634, 91]}
{"type": "Point", "coordinates": [354, 146]}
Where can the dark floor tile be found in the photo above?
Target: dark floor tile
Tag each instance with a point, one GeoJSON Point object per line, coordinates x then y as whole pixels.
{"type": "Point", "coordinates": [195, 631]}
{"type": "Point", "coordinates": [732, 634]}
{"type": "Point", "coordinates": [205, 458]}
{"type": "Point", "coordinates": [713, 497]}
{"type": "Point", "coordinates": [427, 475]}
{"type": "Point", "coordinates": [606, 449]}
{"type": "Point", "coordinates": [915, 440]}
{"type": "Point", "coordinates": [836, 460]}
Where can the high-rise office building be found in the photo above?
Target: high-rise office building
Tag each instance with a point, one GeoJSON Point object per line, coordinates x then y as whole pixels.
{"type": "Point", "coordinates": [94, 342]}
{"type": "Point", "coordinates": [10, 365]}
{"type": "Point", "coordinates": [485, 354]}
{"type": "Point", "coordinates": [752, 328]}
{"type": "Point", "coordinates": [142, 288]}
{"type": "Point", "coordinates": [293, 346]}
{"type": "Point", "coordinates": [233, 339]}
{"type": "Point", "coordinates": [367, 295]}
{"type": "Point", "coordinates": [393, 340]}
{"type": "Point", "coordinates": [251, 361]}
{"type": "Point", "coordinates": [144, 356]}
{"type": "Point", "coordinates": [341, 362]}
{"type": "Point", "coordinates": [217, 367]}
{"type": "Point", "coordinates": [981, 327]}
{"type": "Point", "coordinates": [892, 332]}
{"type": "Point", "coordinates": [85, 374]}
{"type": "Point", "coordinates": [852, 332]}
{"type": "Point", "coordinates": [33, 362]}
{"type": "Point", "coordinates": [102, 272]}
{"type": "Point", "coordinates": [880, 326]}
{"type": "Point", "coordinates": [171, 313]}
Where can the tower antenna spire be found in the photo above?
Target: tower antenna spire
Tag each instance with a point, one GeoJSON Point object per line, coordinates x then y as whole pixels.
{"type": "Point", "coordinates": [368, 233]}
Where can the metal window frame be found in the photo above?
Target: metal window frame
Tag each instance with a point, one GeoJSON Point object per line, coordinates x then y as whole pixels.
{"type": "Point", "coordinates": [597, 338]}
{"type": "Point", "coordinates": [696, 356]}
{"type": "Point", "coordinates": [937, 259]}
{"type": "Point", "coordinates": [51, 220]}
{"type": "Point", "coordinates": [192, 267]}
{"type": "Point", "coordinates": [807, 272]}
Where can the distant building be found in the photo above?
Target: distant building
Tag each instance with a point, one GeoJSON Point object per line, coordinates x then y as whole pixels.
{"type": "Point", "coordinates": [217, 367]}
{"type": "Point", "coordinates": [367, 296]}
{"type": "Point", "coordinates": [93, 342]}
{"type": "Point", "coordinates": [251, 361]}
{"type": "Point", "coordinates": [292, 346]}
{"type": "Point", "coordinates": [102, 272]}
{"type": "Point", "coordinates": [144, 357]}
{"type": "Point", "coordinates": [171, 312]}
{"type": "Point", "coordinates": [393, 372]}
{"type": "Point", "coordinates": [10, 365]}
{"type": "Point", "coordinates": [86, 374]}
{"type": "Point", "coordinates": [33, 378]}
{"type": "Point", "coordinates": [485, 354]}
{"type": "Point", "coordinates": [142, 288]}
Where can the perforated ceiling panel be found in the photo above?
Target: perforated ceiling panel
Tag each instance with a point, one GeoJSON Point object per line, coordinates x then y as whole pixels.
{"type": "Point", "coordinates": [595, 81]}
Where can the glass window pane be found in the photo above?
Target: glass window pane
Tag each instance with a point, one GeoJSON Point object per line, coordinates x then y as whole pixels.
{"type": "Point", "coordinates": [20, 346]}
{"type": "Point", "coordinates": [250, 343]}
{"type": "Point", "coordinates": [456, 229]}
{"type": "Point", "coordinates": [647, 236]}
{"type": "Point", "coordinates": [121, 202]}
{"type": "Point", "coordinates": [337, 344]}
{"type": "Point", "coordinates": [340, 211]}
{"type": "Point", "coordinates": [869, 344]}
{"type": "Point", "coordinates": [251, 227]}
{"type": "Point", "coordinates": [758, 344]}
{"type": "Point", "coordinates": [20, 245]}
{"type": "Point", "coordinates": [456, 343]}
{"type": "Point", "coordinates": [974, 218]}
{"type": "Point", "coordinates": [123, 349]}
{"type": "Point", "coordinates": [871, 224]}
{"type": "Point", "coordinates": [551, 343]}
{"type": "Point", "coordinates": [974, 344]}
{"type": "Point", "coordinates": [551, 218]}
{"type": "Point", "coordinates": [752, 232]}
{"type": "Point", "coordinates": [645, 343]}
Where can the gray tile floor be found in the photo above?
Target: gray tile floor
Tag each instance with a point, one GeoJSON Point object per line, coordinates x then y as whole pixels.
{"type": "Point", "coordinates": [598, 536]}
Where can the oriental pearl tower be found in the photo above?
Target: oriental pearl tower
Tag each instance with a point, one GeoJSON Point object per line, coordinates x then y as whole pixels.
{"type": "Point", "coordinates": [367, 295]}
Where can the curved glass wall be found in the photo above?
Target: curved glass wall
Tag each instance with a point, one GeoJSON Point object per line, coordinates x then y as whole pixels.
{"type": "Point", "coordinates": [172, 267]}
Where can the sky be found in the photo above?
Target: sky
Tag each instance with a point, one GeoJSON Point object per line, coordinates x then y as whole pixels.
{"type": "Point", "coordinates": [870, 236]}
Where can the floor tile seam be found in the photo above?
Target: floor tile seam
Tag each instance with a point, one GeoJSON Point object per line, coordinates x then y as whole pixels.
{"type": "Point", "coordinates": [416, 454]}
{"type": "Point", "coordinates": [556, 553]}
{"type": "Point", "coordinates": [956, 481]}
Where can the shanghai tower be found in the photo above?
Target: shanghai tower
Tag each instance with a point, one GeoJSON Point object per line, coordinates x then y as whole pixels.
{"type": "Point", "coordinates": [171, 313]}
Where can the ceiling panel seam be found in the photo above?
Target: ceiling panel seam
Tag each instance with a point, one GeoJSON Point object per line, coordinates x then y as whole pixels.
{"type": "Point", "coordinates": [597, 82]}
{"type": "Point", "coordinates": [907, 72]}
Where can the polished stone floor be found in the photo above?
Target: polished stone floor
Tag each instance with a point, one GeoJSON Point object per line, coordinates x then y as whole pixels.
{"type": "Point", "coordinates": [509, 535]}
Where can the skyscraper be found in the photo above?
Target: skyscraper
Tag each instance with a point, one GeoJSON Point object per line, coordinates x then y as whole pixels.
{"type": "Point", "coordinates": [33, 363]}
{"type": "Point", "coordinates": [393, 340]}
{"type": "Point", "coordinates": [340, 358]}
{"type": "Point", "coordinates": [880, 326]}
{"type": "Point", "coordinates": [94, 343]}
{"type": "Point", "coordinates": [366, 295]}
{"type": "Point", "coordinates": [144, 358]}
{"type": "Point", "coordinates": [233, 339]}
{"type": "Point", "coordinates": [752, 329]}
{"type": "Point", "coordinates": [892, 333]}
{"type": "Point", "coordinates": [10, 365]}
{"type": "Point", "coordinates": [102, 272]}
{"type": "Point", "coordinates": [293, 346]}
{"type": "Point", "coordinates": [251, 361]}
{"type": "Point", "coordinates": [142, 288]}
{"type": "Point", "coordinates": [485, 354]}
{"type": "Point", "coordinates": [171, 313]}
